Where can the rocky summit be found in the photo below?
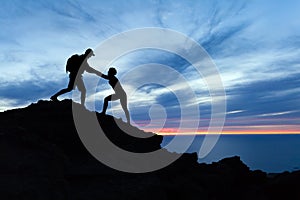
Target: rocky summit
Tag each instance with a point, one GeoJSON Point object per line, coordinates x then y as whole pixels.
{"type": "Point", "coordinates": [43, 158]}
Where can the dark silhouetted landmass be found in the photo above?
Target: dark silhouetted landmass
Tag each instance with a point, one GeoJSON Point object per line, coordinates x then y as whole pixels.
{"type": "Point", "coordinates": [42, 158]}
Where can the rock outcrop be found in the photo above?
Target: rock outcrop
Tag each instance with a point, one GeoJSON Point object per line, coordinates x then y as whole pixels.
{"type": "Point", "coordinates": [42, 157]}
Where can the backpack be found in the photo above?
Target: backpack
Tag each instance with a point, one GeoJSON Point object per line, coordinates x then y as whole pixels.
{"type": "Point", "coordinates": [73, 64]}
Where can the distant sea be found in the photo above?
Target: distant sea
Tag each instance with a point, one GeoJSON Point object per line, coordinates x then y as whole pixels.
{"type": "Point", "coordinates": [269, 153]}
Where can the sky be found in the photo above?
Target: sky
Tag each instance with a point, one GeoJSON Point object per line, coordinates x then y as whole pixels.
{"type": "Point", "coordinates": [254, 45]}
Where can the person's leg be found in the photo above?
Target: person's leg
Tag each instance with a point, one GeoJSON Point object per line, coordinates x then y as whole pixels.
{"type": "Point", "coordinates": [105, 104]}
{"type": "Point", "coordinates": [65, 90]}
{"type": "Point", "coordinates": [112, 97]}
{"type": "Point", "coordinates": [123, 101]}
{"type": "Point", "coordinates": [82, 89]}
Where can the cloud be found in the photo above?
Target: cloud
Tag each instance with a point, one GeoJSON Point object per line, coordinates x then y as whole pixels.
{"type": "Point", "coordinates": [254, 45]}
{"type": "Point", "coordinates": [277, 113]}
{"type": "Point", "coordinates": [10, 103]}
{"type": "Point", "coordinates": [267, 96]}
{"type": "Point", "coordinates": [234, 112]}
{"type": "Point", "coordinates": [20, 94]}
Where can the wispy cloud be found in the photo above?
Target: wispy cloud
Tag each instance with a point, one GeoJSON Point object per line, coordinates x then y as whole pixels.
{"type": "Point", "coordinates": [254, 45]}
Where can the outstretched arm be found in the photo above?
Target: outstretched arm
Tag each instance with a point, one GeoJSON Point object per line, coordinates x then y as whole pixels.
{"type": "Point", "coordinates": [104, 76]}
{"type": "Point", "coordinates": [92, 70]}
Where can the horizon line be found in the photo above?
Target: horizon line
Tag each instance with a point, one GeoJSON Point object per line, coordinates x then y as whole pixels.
{"type": "Point", "coordinates": [231, 133]}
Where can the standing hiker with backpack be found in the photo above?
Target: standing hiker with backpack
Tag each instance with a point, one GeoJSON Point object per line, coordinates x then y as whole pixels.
{"type": "Point", "coordinates": [76, 65]}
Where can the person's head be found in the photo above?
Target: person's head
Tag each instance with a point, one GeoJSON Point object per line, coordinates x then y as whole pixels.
{"type": "Point", "coordinates": [112, 71]}
{"type": "Point", "coordinates": [89, 53]}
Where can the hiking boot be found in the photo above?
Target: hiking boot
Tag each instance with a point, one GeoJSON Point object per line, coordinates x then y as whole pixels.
{"type": "Point", "coordinates": [54, 98]}
{"type": "Point", "coordinates": [102, 113]}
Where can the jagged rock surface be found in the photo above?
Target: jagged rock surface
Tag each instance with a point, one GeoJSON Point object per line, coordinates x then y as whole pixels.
{"type": "Point", "coordinates": [43, 158]}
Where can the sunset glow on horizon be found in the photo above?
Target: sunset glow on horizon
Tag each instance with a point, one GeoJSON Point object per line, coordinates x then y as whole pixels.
{"type": "Point", "coordinates": [273, 132]}
{"type": "Point", "coordinates": [255, 130]}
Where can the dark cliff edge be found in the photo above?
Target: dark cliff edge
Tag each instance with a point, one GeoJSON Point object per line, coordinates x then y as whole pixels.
{"type": "Point", "coordinates": [42, 157]}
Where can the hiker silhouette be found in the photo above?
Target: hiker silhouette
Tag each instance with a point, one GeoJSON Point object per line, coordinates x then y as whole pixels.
{"type": "Point", "coordinates": [76, 65]}
{"type": "Point", "coordinates": [119, 92]}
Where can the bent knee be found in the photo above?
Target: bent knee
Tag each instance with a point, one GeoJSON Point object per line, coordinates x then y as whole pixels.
{"type": "Point", "coordinates": [108, 98]}
{"type": "Point", "coordinates": [69, 89]}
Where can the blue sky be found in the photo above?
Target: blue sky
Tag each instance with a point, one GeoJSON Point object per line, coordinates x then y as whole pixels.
{"type": "Point", "coordinates": [254, 44]}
